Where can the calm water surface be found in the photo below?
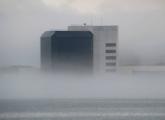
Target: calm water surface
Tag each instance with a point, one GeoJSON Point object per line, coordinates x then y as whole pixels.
{"type": "Point", "coordinates": [82, 109]}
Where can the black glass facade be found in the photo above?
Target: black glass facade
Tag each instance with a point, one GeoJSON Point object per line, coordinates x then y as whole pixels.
{"type": "Point", "coordinates": [70, 51]}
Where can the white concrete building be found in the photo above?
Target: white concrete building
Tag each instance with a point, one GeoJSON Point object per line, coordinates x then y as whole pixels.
{"type": "Point", "coordinates": [105, 56]}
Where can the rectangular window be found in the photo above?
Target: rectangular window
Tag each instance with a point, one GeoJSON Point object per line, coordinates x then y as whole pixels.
{"type": "Point", "coordinates": [110, 44]}
{"type": "Point", "coordinates": [110, 64]}
{"type": "Point", "coordinates": [110, 51]}
{"type": "Point", "coordinates": [110, 57]}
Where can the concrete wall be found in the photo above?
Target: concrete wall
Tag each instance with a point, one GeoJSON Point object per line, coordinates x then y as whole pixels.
{"type": "Point", "coordinates": [102, 36]}
{"type": "Point", "coordinates": [46, 50]}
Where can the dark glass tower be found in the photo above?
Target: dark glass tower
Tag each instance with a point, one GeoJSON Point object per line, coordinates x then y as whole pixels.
{"type": "Point", "coordinates": [67, 51]}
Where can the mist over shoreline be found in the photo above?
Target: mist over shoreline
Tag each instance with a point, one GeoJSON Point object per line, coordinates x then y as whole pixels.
{"type": "Point", "coordinates": [32, 85]}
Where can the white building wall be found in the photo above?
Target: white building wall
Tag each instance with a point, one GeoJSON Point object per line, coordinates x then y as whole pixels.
{"type": "Point", "coordinates": [102, 35]}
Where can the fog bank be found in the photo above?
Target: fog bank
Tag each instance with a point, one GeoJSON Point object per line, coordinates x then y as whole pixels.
{"type": "Point", "coordinates": [22, 85]}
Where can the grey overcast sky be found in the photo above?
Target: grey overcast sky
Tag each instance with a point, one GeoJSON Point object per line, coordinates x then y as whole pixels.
{"type": "Point", "coordinates": [141, 26]}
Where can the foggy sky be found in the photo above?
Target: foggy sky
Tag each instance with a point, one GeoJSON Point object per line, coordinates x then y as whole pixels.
{"type": "Point", "coordinates": [141, 27]}
{"type": "Point", "coordinates": [141, 42]}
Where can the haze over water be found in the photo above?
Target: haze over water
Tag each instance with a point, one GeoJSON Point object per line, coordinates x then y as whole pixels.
{"type": "Point", "coordinates": [119, 96]}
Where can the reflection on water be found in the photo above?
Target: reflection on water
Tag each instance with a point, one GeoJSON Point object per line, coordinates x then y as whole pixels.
{"type": "Point", "coordinates": [82, 109]}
